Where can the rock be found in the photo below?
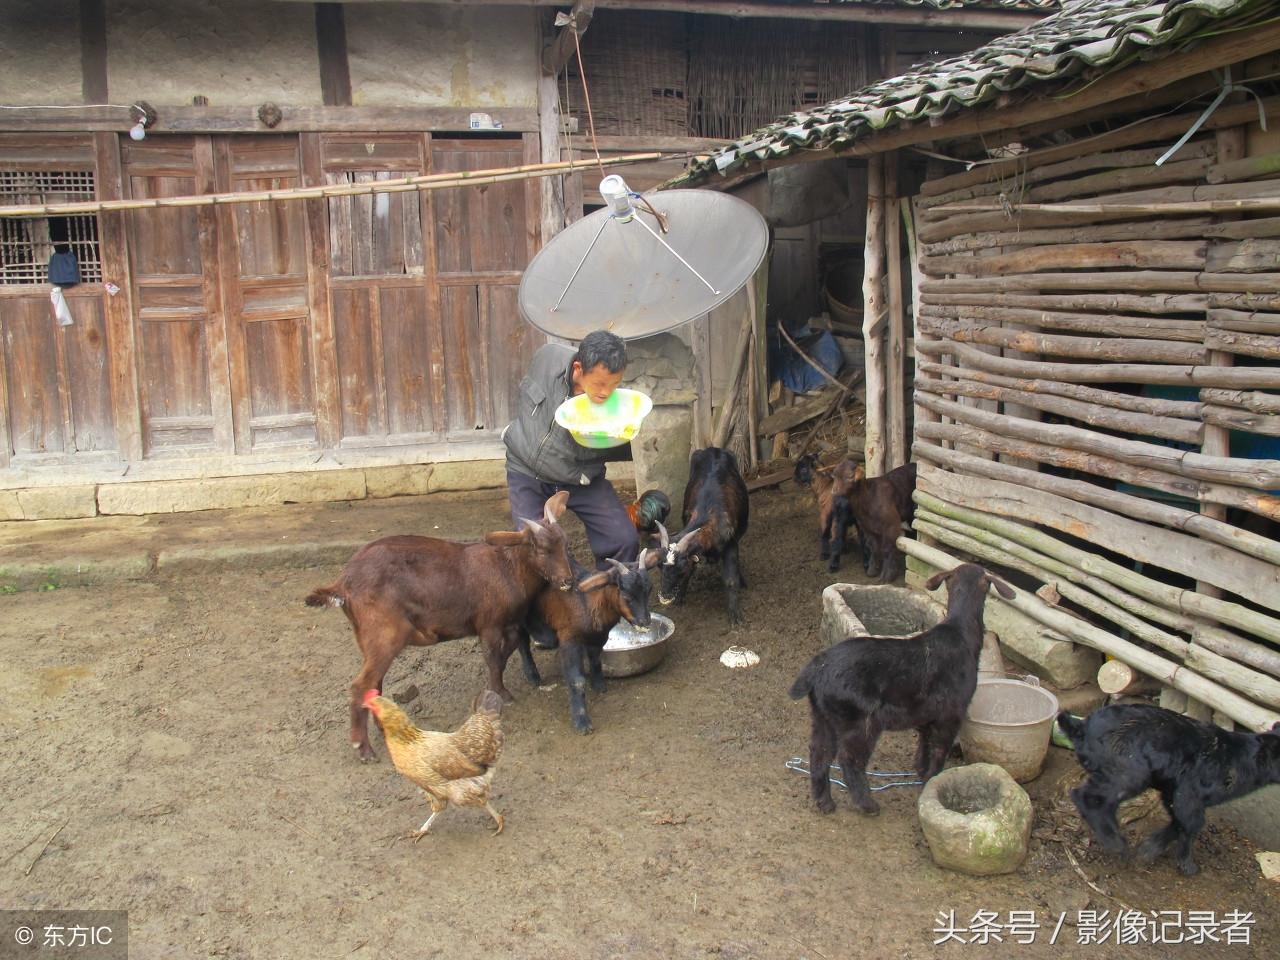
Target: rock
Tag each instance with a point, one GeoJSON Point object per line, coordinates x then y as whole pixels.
{"type": "Point", "coordinates": [661, 454]}
{"type": "Point", "coordinates": [1066, 903]}
{"type": "Point", "coordinates": [407, 695]}
{"type": "Point", "coordinates": [976, 819]}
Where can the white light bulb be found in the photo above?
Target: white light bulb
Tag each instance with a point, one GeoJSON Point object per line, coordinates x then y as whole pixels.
{"type": "Point", "coordinates": [137, 131]}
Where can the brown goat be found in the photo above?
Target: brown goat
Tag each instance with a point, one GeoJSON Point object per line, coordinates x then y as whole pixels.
{"type": "Point", "coordinates": [874, 502]}
{"type": "Point", "coordinates": [419, 591]}
{"type": "Point", "coordinates": [835, 515]}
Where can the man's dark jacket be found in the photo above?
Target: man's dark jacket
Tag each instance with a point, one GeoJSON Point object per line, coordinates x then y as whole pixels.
{"type": "Point", "coordinates": [537, 446]}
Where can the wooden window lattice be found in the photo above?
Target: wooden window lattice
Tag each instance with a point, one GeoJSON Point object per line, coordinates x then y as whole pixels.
{"type": "Point", "coordinates": [26, 243]}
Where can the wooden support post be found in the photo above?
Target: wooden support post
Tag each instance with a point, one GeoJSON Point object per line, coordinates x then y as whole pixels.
{"type": "Point", "coordinates": [122, 343]}
{"type": "Point", "coordinates": [898, 445]}
{"type": "Point", "coordinates": [873, 316]}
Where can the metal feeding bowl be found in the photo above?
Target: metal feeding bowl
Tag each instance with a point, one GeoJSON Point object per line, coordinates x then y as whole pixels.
{"type": "Point", "coordinates": [631, 650]}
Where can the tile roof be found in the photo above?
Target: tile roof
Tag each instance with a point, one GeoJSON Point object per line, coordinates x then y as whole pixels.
{"type": "Point", "coordinates": [1084, 35]}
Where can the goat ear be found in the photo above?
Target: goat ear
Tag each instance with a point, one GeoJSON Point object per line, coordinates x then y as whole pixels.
{"type": "Point", "coordinates": [1002, 588]}
{"type": "Point", "coordinates": [507, 538]}
{"type": "Point", "coordinates": [595, 581]}
{"type": "Point", "coordinates": [555, 507]}
{"type": "Point", "coordinates": [936, 580]}
{"type": "Point", "coordinates": [859, 473]}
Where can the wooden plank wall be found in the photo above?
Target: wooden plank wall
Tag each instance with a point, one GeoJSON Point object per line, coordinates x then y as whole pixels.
{"type": "Point", "coordinates": [367, 321]}
{"type": "Point", "coordinates": [1088, 334]}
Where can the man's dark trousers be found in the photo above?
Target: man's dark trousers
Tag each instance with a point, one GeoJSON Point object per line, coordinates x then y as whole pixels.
{"type": "Point", "coordinates": [609, 530]}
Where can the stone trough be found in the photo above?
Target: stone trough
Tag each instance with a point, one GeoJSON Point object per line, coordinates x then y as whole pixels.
{"type": "Point", "coordinates": [874, 610]}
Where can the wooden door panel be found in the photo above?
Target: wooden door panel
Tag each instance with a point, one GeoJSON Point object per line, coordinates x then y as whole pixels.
{"type": "Point", "coordinates": [164, 241]}
{"type": "Point", "coordinates": [377, 235]}
{"type": "Point", "coordinates": [464, 360]}
{"type": "Point", "coordinates": [178, 312]}
{"type": "Point", "coordinates": [483, 228]}
{"type": "Point", "coordinates": [282, 403]}
{"type": "Point", "coordinates": [174, 375]}
{"type": "Point", "coordinates": [36, 424]}
{"type": "Point", "coordinates": [88, 376]}
{"type": "Point", "coordinates": [359, 365]}
{"type": "Point", "coordinates": [511, 345]}
{"type": "Point", "coordinates": [263, 249]}
{"type": "Point", "coordinates": [406, 322]}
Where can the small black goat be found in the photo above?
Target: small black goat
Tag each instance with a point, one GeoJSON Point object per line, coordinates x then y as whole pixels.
{"type": "Point", "coordinates": [865, 685]}
{"type": "Point", "coordinates": [715, 518]}
{"type": "Point", "coordinates": [581, 620]}
{"type": "Point", "coordinates": [1127, 747]}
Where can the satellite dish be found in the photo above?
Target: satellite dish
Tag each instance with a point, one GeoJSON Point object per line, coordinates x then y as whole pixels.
{"type": "Point", "coordinates": [624, 270]}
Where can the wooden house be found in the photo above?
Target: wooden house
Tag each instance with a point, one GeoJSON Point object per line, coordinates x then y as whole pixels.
{"type": "Point", "coordinates": [1091, 285]}
{"type": "Point", "coordinates": [355, 340]}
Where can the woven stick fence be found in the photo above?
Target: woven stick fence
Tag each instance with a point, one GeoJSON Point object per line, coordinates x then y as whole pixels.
{"type": "Point", "coordinates": [1096, 391]}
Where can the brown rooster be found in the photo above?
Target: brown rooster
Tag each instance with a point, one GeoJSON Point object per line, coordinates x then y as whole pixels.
{"type": "Point", "coordinates": [452, 767]}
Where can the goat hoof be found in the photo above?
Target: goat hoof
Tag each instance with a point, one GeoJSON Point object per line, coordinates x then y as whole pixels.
{"type": "Point", "coordinates": [583, 729]}
{"type": "Point", "coordinates": [1188, 868]}
{"type": "Point", "coordinates": [364, 753]}
{"type": "Point", "coordinates": [826, 805]}
{"type": "Point", "coordinates": [870, 808]}
{"type": "Point", "coordinates": [506, 695]}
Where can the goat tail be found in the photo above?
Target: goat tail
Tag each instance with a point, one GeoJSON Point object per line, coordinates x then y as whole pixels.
{"type": "Point", "coordinates": [1073, 727]}
{"type": "Point", "coordinates": [325, 597]}
{"type": "Point", "coordinates": [804, 683]}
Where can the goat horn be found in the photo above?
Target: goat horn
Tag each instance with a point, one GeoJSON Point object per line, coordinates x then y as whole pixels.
{"type": "Point", "coordinates": [662, 533]}
{"type": "Point", "coordinates": [640, 559]}
{"type": "Point", "coordinates": [622, 567]}
{"type": "Point", "coordinates": [534, 525]}
{"type": "Point", "coordinates": [683, 542]}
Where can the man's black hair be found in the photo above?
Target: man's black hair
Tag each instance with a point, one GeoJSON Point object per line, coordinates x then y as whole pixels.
{"type": "Point", "coordinates": [601, 346]}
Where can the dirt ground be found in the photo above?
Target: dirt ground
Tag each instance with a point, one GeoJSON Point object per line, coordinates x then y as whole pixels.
{"type": "Point", "coordinates": [189, 734]}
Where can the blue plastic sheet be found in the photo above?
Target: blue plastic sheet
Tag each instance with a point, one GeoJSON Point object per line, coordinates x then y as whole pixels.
{"type": "Point", "coordinates": [789, 367]}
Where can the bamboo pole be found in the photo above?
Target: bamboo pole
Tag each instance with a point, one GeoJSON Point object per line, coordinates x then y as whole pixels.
{"type": "Point", "coordinates": [1235, 706]}
{"type": "Point", "coordinates": [1251, 400]}
{"type": "Point", "coordinates": [434, 181]}
{"type": "Point", "coordinates": [1111, 303]}
{"type": "Point", "coordinates": [968, 531]}
{"type": "Point", "coordinates": [1032, 173]}
{"type": "Point", "coordinates": [1114, 325]}
{"type": "Point", "coordinates": [1155, 373]}
{"type": "Point", "coordinates": [873, 318]}
{"type": "Point", "coordinates": [1095, 348]}
{"type": "Point", "coordinates": [1093, 414]}
{"type": "Point", "coordinates": [1150, 545]}
{"type": "Point", "coordinates": [1256, 474]}
{"type": "Point", "coordinates": [1264, 505]}
{"type": "Point", "coordinates": [1153, 406]}
{"type": "Point", "coordinates": [1255, 686]}
{"type": "Point", "coordinates": [1139, 508]}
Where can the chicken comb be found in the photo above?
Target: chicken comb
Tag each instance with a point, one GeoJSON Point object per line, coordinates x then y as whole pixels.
{"type": "Point", "coordinates": [369, 695]}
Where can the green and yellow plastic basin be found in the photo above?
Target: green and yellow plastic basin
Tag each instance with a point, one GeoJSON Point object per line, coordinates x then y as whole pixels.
{"type": "Point", "coordinates": [608, 424]}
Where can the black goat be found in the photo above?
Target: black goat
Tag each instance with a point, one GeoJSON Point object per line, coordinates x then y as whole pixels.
{"type": "Point", "coordinates": [715, 518]}
{"type": "Point", "coordinates": [865, 685]}
{"type": "Point", "coordinates": [1127, 747]}
{"type": "Point", "coordinates": [581, 620]}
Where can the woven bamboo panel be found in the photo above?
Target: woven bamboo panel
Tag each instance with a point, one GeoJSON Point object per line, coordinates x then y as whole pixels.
{"type": "Point", "coordinates": [636, 66]}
